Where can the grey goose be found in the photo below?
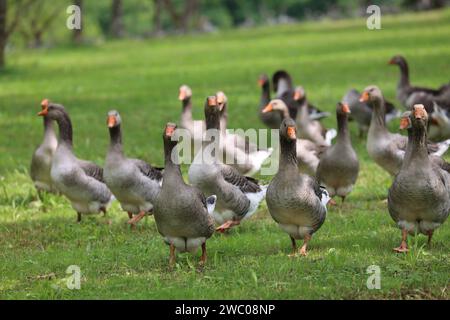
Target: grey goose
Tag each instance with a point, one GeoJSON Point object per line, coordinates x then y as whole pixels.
{"type": "Point", "coordinates": [41, 160]}
{"type": "Point", "coordinates": [385, 148]}
{"type": "Point", "coordinates": [182, 212]}
{"type": "Point", "coordinates": [238, 196]}
{"type": "Point", "coordinates": [339, 166]}
{"type": "Point", "coordinates": [419, 198]}
{"type": "Point", "coordinates": [134, 182]}
{"type": "Point", "coordinates": [79, 180]}
{"type": "Point", "coordinates": [295, 201]}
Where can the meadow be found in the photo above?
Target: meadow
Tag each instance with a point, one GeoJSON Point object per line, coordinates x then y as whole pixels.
{"type": "Point", "coordinates": [140, 78]}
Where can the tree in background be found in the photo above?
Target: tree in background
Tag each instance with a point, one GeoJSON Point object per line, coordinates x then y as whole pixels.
{"type": "Point", "coordinates": [117, 28]}
{"type": "Point", "coordinates": [181, 21]}
{"type": "Point", "coordinates": [6, 29]}
{"type": "Point", "coordinates": [38, 19]}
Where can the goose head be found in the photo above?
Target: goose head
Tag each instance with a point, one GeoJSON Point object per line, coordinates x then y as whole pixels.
{"type": "Point", "coordinates": [405, 120]}
{"type": "Point", "coordinates": [275, 105]}
{"type": "Point", "coordinates": [185, 93]}
{"type": "Point", "coordinates": [169, 132]}
{"type": "Point", "coordinates": [263, 80]}
{"type": "Point", "coordinates": [419, 117]}
{"type": "Point", "coordinates": [221, 99]}
{"type": "Point", "coordinates": [51, 110]}
{"type": "Point", "coordinates": [299, 93]}
{"type": "Point", "coordinates": [398, 60]}
{"type": "Point", "coordinates": [342, 108]}
{"type": "Point", "coordinates": [113, 119]}
{"type": "Point", "coordinates": [288, 130]}
{"type": "Point", "coordinates": [371, 94]}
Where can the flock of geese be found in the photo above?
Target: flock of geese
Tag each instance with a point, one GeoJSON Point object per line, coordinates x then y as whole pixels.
{"type": "Point", "coordinates": [311, 169]}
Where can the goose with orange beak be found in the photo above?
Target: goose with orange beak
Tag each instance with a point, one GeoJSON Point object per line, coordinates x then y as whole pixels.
{"type": "Point", "coordinates": [385, 148]}
{"type": "Point", "coordinates": [295, 201]}
{"type": "Point", "coordinates": [134, 182]}
{"type": "Point", "coordinates": [182, 213]}
{"type": "Point", "coordinates": [419, 198]}
{"type": "Point", "coordinates": [195, 127]}
{"type": "Point", "coordinates": [339, 166]}
{"type": "Point", "coordinates": [41, 160]}
{"type": "Point", "coordinates": [271, 120]}
{"type": "Point", "coordinates": [81, 181]}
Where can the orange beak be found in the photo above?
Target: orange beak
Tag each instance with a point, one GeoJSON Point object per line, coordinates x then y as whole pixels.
{"type": "Point", "coordinates": [111, 121]}
{"type": "Point", "coordinates": [43, 113]}
{"type": "Point", "coordinates": [298, 95]}
{"type": "Point", "coordinates": [391, 61]}
{"type": "Point", "coordinates": [44, 105]}
{"type": "Point", "coordinates": [267, 108]}
{"type": "Point", "coordinates": [212, 101]}
{"type": "Point", "coordinates": [291, 133]}
{"type": "Point", "coordinates": [364, 97]}
{"type": "Point", "coordinates": [182, 95]}
{"type": "Point", "coordinates": [220, 98]}
{"type": "Point", "coordinates": [169, 131]}
{"type": "Point", "coordinates": [404, 123]}
{"type": "Point", "coordinates": [260, 82]}
{"type": "Point", "coordinates": [419, 112]}
{"type": "Point", "coordinates": [345, 108]}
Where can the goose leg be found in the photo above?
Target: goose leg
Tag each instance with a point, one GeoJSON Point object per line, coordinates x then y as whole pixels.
{"type": "Point", "coordinates": [294, 248]}
{"type": "Point", "coordinates": [130, 215]}
{"type": "Point", "coordinates": [78, 217]}
{"type": "Point", "coordinates": [305, 244]}
{"type": "Point", "coordinates": [136, 218]}
{"type": "Point", "coordinates": [228, 225]}
{"type": "Point", "coordinates": [430, 235]}
{"type": "Point", "coordinates": [343, 199]}
{"type": "Point", "coordinates": [403, 246]}
{"type": "Point", "coordinates": [172, 255]}
{"type": "Point", "coordinates": [203, 258]}
{"type": "Point", "coordinates": [104, 211]}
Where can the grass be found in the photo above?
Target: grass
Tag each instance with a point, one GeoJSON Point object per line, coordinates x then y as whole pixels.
{"type": "Point", "coordinates": [39, 240]}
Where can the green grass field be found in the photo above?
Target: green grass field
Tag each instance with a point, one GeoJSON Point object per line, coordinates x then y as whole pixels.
{"type": "Point", "coordinates": [39, 240]}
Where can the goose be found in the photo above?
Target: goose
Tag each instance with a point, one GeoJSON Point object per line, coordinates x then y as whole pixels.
{"type": "Point", "coordinates": [195, 127]}
{"type": "Point", "coordinates": [133, 182]}
{"type": "Point", "coordinates": [79, 180]}
{"type": "Point", "coordinates": [295, 201]}
{"type": "Point", "coordinates": [440, 130]}
{"type": "Point", "coordinates": [361, 112]}
{"type": "Point", "coordinates": [339, 166]}
{"type": "Point", "coordinates": [238, 196]}
{"type": "Point", "coordinates": [312, 129]}
{"type": "Point", "coordinates": [300, 98]}
{"type": "Point", "coordinates": [405, 89]}
{"type": "Point", "coordinates": [419, 198]}
{"type": "Point", "coordinates": [183, 215]}
{"type": "Point", "coordinates": [308, 153]}
{"type": "Point", "coordinates": [273, 119]}
{"type": "Point", "coordinates": [385, 148]}
{"type": "Point", "coordinates": [41, 160]}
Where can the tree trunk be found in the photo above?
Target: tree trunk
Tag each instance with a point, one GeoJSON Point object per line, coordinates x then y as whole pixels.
{"type": "Point", "coordinates": [78, 33]}
{"type": "Point", "coordinates": [117, 30]}
{"type": "Point", "coordinates": [3, 32]}
{"type": "Point", "coordinates": [157, 10]}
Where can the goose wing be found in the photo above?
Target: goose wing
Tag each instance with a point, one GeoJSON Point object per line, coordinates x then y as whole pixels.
{"type": "Point", "coordinates": [245, 184]}
{"type": "Point", "coordinates": [92, 170]}
{"type": "Point", "coordinates": [148, 170]}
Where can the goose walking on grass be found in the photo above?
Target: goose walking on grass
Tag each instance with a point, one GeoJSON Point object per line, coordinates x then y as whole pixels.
{"type": "Point", "coordinates": [295, 201]}
{"type": "Point", "coordinates": [419, 198]}
{"type": "Point", "coordinates": [385, 148]}
{"type": "Point", "coordinates": [41, 161]}
{"type": "Point", "coordinates": [134, 182]}
{"type": "Point", "coordinates": [238, 196]}
{"type": "Point", "coordinates": [182, 213]}
{"type": "Point", "coordinates": [79, 180]}
{"type": "Point", "coordinates": [339, 166]}
{"type": "Point", "coordinates": [308, 153]}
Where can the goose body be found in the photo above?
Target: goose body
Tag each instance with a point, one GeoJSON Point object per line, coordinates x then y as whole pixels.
{"type": "Point", "coordinates": [419, 198]}
{"type": "Point", "coordinates": [440, 130]}
{"type": "Point", "coordinates": [385, 148]}
{"type": "Point", "coordinates": [238, 196]}
{"type": "Point", "coordinates": [295, 201]}
{"type": "Point", "coordinates": [339, 166]}
{"type": "Point", "coordinates": [134, 183]}
{"type": "Point", "coordinates": [182, 213]}
{"type": "Point", "coordinates": [41, 161]}
{"type": "Point", "coordinates": [79, 180]}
